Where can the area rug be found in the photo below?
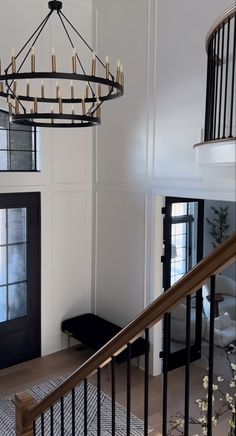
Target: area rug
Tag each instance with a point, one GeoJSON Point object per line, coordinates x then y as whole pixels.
{"type": "Point", "coordinates": [7, 413]}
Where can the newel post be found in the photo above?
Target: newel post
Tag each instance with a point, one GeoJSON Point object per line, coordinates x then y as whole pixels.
{"type": "Point", "coordinates": [24, 402]}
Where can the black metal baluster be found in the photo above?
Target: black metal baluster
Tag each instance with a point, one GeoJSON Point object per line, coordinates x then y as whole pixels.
{"type": "Point", "coordinates": [98, 402]}
{"type": "Point", "coordinates": [128, 408]}
{"type": "Point", "coordinates": [233, 79]}
{"type": "Point", "coordinates": [221, 79]}
{"type": "Point", "coordinates": [62, 416]}
{"type": "Point", "coordinates": [73, 411]}
{"type": "Point", "coordinates": [166, 353]}
{"type": "Point", "coordinates": [113, 397]}
{"type": "Point", "coordinates": [212, 104]}
{"type": "Point", "coordinates": [217, 57]}
{"type": "Point", "coordinates": [187, 365]}
{"type": "Point", "coordinates": [146, 382]}
{"type": "Point", "coordinates": [51, 420]}
{"type": "Point", "coordinates": [226, 79]}
{"type": "Point", "coordinates": [34, 428]}
{"type": "Point", "coordinates": [42, 424]}
{"type": "Point", "coordinates": [211, 356]}
{"type": "Point", "coordinates": [85, 407]}
{"type": "Point", "coordinates": [208, 93]}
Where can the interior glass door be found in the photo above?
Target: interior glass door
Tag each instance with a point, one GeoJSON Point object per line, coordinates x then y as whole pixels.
{"type": "Point", "coordinates": [183, 241]}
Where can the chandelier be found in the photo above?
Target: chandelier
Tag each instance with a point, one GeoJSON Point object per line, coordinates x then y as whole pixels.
{"type": "Point", "coordinates": [54, 98]}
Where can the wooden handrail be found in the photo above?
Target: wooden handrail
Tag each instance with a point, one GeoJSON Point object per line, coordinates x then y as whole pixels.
{"type": "Point", "coordinates": [229, 13]}
{"type": "Point", "coordinates": [214, 263]}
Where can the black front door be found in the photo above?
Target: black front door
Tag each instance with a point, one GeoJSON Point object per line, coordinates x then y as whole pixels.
{"type": "Point", "coordinates": [19, 278]}
{"type": "Point", "coordinates": [183, 242]}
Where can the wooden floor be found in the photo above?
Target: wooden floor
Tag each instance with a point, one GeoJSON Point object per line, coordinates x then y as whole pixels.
{"type": "Point", "coordinates": [18, 378]}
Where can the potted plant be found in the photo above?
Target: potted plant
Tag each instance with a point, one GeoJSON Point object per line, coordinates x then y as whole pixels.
{"type": "Point", "coordinates": [218, 225]}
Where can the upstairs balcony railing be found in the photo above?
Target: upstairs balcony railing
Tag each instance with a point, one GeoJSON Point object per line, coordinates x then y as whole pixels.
{"type": "Point", "coordinates": [221, 88]}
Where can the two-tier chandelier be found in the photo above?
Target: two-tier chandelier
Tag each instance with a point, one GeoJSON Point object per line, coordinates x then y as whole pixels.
{"type": "Point", "coordinates": [54, 98]}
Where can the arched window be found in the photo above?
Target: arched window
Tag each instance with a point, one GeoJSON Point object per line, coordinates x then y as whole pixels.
{"type": "Point", "coordinates": [18, 147]}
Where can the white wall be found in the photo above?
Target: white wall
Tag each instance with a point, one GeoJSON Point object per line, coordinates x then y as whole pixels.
{"type": "Point", "coordinates": [144, 149]}
{"type": "Point", "coordinates": [65, 181]}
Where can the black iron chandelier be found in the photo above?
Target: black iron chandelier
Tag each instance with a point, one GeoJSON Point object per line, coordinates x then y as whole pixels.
{"type": "Point", "coordinates": [62, 99]}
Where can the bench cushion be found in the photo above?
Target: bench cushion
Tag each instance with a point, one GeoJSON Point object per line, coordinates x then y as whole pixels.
{"type": "Point", "coordinates": [94, 332]}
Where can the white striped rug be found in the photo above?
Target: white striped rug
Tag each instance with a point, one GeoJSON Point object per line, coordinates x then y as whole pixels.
{"type": "Point", "coordinates": [7, 413]}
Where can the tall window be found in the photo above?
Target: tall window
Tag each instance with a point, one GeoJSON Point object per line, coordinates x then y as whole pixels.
{"type": "Point", "coordinates": [18, 148]}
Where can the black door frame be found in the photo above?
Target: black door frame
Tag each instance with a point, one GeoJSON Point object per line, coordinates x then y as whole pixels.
{"type": "Point", "coordinates": [176, 359]}
{"type": "Point", "coordinates": [31, 201]}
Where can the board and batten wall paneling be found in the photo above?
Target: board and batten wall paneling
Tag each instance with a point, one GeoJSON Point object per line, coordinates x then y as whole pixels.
{"type": "Point", "coordinates": [121, 30]}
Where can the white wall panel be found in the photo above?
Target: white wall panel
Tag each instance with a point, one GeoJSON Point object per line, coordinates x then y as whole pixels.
{"type": "Point", "coordinates": [120, 255]}
{"type": "Point", "coordinates": [70, 254]}
{"type": "Point", "coordinates": [121, 29]}
{"type": "Point", "coordinates": [69, 157]}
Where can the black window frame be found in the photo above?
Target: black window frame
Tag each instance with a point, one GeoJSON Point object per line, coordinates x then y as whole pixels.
{"type": "Point", "coordinates": [34, 149]}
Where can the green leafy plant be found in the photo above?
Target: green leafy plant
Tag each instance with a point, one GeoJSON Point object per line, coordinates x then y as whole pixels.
{"type": "Point", "coordinates": [218, 225]}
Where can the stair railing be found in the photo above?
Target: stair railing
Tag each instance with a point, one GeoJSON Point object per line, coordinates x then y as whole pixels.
{"type": "Point", "coordinates": [31, 416]}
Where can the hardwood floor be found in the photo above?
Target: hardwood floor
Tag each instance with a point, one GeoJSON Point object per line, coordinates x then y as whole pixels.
{"type": "Point", "coordinates": [19, 377]}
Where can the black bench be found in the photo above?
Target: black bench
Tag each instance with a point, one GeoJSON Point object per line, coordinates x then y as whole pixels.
{"type": "Point", "coordinates": [94, 332]}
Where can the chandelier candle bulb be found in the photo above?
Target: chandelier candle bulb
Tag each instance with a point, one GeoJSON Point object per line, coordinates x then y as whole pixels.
{"type": "Point", "coordinates": [52, 112]}
{"type": "Point", "coordinates": [13, 62]}
{"type": "Point", "coordinates": [17, 107]}
{"type": "Point", "coordinates": [42, 89]}
{"type": "Point", "coordinates": [57, 90]}
{"type": "Point", "coordinates": [98, 111]}
{"type": "Point", "coordinates": [60, 105]}
{"type": "Point", "coordinates": [54, 63]}
{"type": "Point", "coordinates": [107, 68]}
{"type": "Point", "coordinates": [73, 113]}
{"type": "Point", "coordinates": [9, 106]}
{"type": "Point", "coordinates": [33, 60]}
{"type": "Point", "coordinates": [118, 73]}
{"type": "Point", "coordinates": [83, 107]}
{"type": "Point", "coordinates": [72, 91]}
{"type": "Point", "coordinates": [99, 90]}
{"type": "Point", "coordinates": [27, 88]}
{"type": "Point", "coordinates": [87, 90]}
{"type": "Point", "coordinates": [14, 87]}
{"type": "Point", "coordinates": [94, 64]}
{"type": "Point", "coordinates": [35, 105]}
{"type": "Point", "coordinates": [122, 76]}
{"type": "Point", "coordinates": [74, 62]}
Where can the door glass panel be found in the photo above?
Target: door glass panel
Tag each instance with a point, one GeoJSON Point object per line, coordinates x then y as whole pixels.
{"type": "Point", "coordinates": [16, 225]}
{"type": "Point", "coordinates": [3, 304]}
{"type": "Point", "coordinates": [17, 263]}
{"type": "Point", "coordinates": [13, 263]}
{"type": "Point", "coordinates": [3, 269]}
{"type": "Point", "coordinates": [184, 222]}
{"type": "Point", "coordinates": [2, 227]}
{"type": "Point", "coordinates": [17, 301]}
